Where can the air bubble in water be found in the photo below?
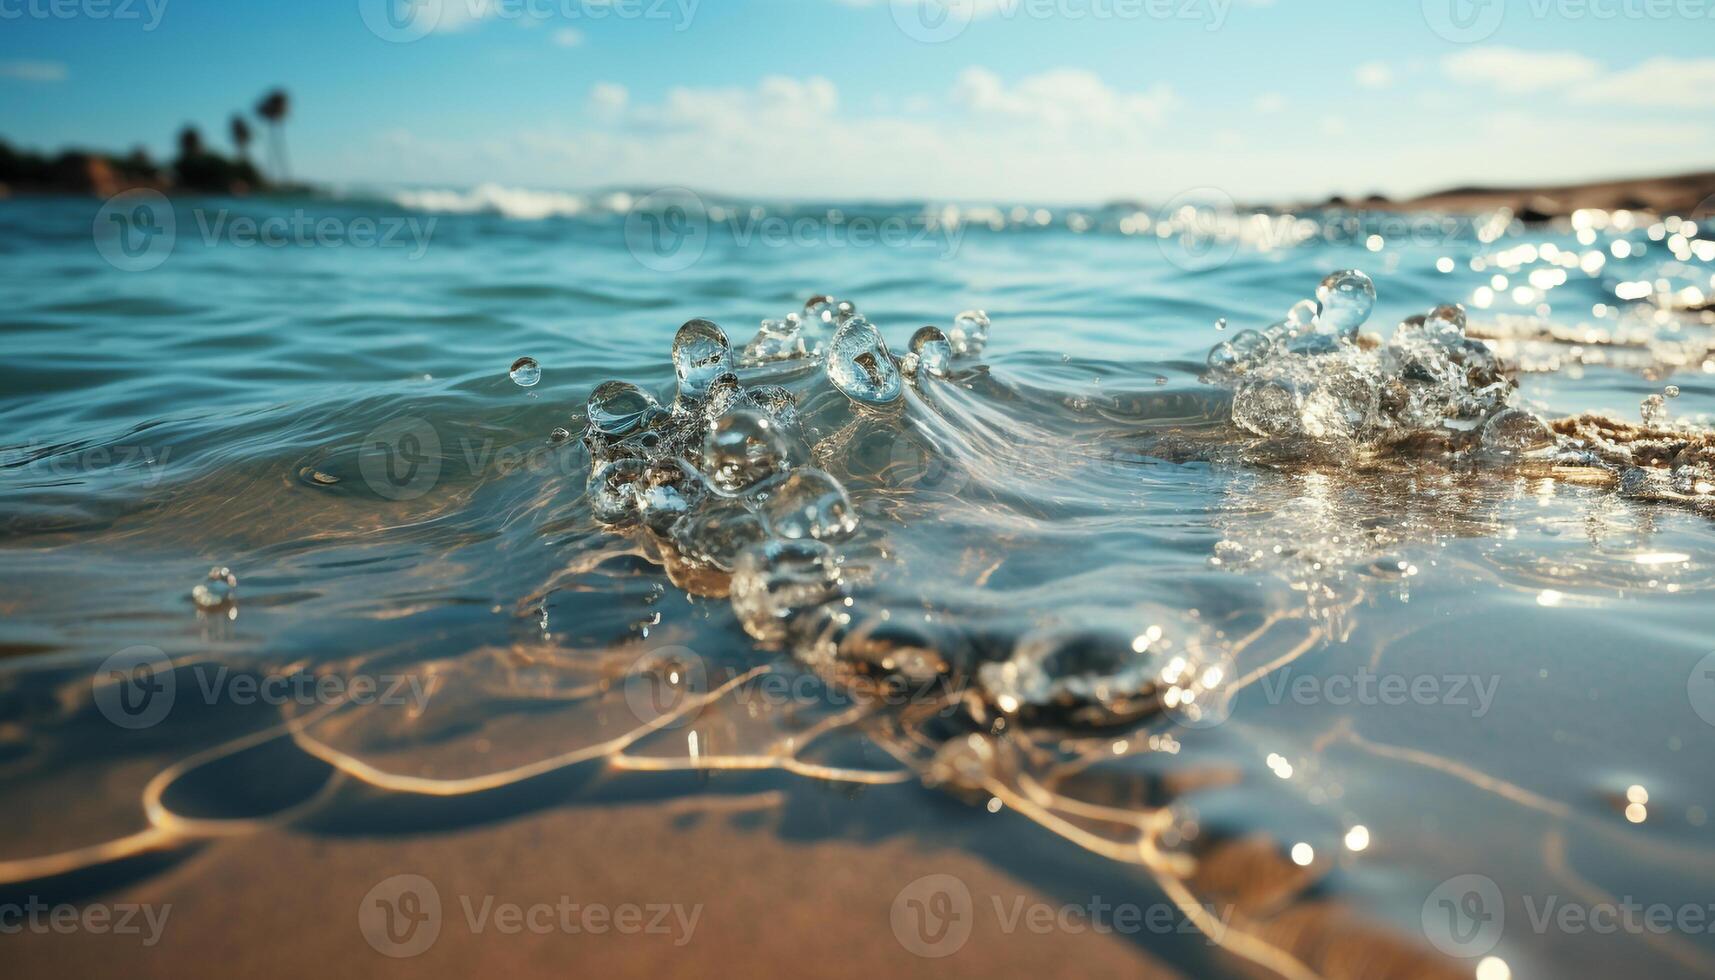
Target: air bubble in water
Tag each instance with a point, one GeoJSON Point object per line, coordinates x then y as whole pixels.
{"type": "Point", "coordinates": [860, 366]}
{"type": "Point", "coordinates": [934, 351]}
{"type": "Point", "coordinates": [559, 435]}
{"type": "Point", "coordinates": [619, 408]}
{"type": "Point", "coordinates": [217, 589]}
{"type": "Point", "coordinates": [1346, 297]}
{"type": "Point", "coordinates": [1671, 391]}
{"type": "Point", "coordinates": [743, 448]}
{"type": "Point", "coordinates": [970, 333]}
{"type": "Point", "coordinates": [700, 355]}
{"type": "Point", "coordinates": [526, 372]}
{"type": "Point", "coordinates": [810, 504]}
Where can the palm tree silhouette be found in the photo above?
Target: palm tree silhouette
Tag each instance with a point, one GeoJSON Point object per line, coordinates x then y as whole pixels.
{"type": "Point", "coordinates": [241, 137]}
{"type": "Point", "coordinates": [273, 108]}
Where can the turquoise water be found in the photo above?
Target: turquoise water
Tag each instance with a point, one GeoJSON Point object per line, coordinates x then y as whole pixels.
{"type": "Point", "coordinates": [1417, 664]}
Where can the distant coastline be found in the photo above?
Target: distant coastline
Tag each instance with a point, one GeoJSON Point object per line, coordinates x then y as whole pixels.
{"type": "Point", "coordinates": [197, 167]}
{"type": "Point", "coordinates": [1690, 195]}
{"type": "Point", "coordinates": [200, 170]}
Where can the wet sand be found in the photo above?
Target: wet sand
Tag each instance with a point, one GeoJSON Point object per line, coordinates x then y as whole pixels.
{"type": "Point", "coordinates": [285, 904]}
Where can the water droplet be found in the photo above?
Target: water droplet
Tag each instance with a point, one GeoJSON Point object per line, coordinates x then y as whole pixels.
{"type": "Point", "coordinates": [1445, 325]}
{"type": "Point", "coordinates": [526, 372]}
{"type": "Point", "coordinates": [668, 491]}
{"type": "Point", "coordinates": [934, 351]}
{"type": "Point", "coordinates": [1513, 430]}
{"type": "Point", "coordinates": [613, 492]}
{"type": "Point", "coordinates": [970, 333]}
{"type": "Point", "coordinates": [1268, 407]}
{"type": "Point", "coordinates": [1223, 358]}
{"type": "Point", "coordinates": [700, 355]}
{"type": "Point", "coordinates": [619, 408]}
{"type": "Point", "coordinates": [1671, 391]}
{"type": "Point", "coordinates": [1653, 410]}
{"type": "Point", "coordinates": [218, 588]}
{"type": "Point", "coordinates": [1221, 324]}
{"type": "Point", "coordinates": [777, 340]}
{"type": "Point", "coordinates": [810, 504]}
{"type": "Point", "coordinates": [819, 308]}
{"type": "Point", "coordinates": [1082, 677]}
{"type": "Point", "coordinates": [776, 580]}
{"type": "Point", "coordinates": [860, 366]}
{"type": "Point", "coordinates": [1346, 298]}
{"type": "Point", "coordinates": [722, 394]}
{"type": "Point", "coordinates": [1302, 316]}
{"type": "Point", "coordinates": [743, 448]}
{"type": "Point", "coordinates": [776, 401]}
{"type": "Point", "coordinates": [716, 532]}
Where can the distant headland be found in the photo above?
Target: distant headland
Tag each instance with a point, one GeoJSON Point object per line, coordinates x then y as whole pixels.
{"type": "Point", "coordinates": [197, 167]}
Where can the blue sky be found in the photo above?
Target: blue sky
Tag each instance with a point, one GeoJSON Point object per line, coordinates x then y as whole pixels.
{"type": "Point", "coordinates": [1049, 100]}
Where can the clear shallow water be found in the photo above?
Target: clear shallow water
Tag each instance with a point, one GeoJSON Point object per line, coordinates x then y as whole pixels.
{"type": "Point", "coordinates": [1078, 478]}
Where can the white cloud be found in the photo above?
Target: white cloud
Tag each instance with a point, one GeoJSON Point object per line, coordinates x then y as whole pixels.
{"type": "Point", "coordinates": [1063, 98]}
{"type": "Point", "coordinates": [1669, 83]}
{"type": "Point", "coordinates": [34, 71]}
{"type": "Point", "coordinates": [568, 37]}
{"type": "Point", "coordinates": [1660, 83]}
{"type": "Point", "coordinates": [1061, 135]}
{"type": "Point", "coordinates": [1515, 70]}
{"type": "Point", "coordinates": [1374, 74]}
{"type": "Point", "coordinates": [608, 100]}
